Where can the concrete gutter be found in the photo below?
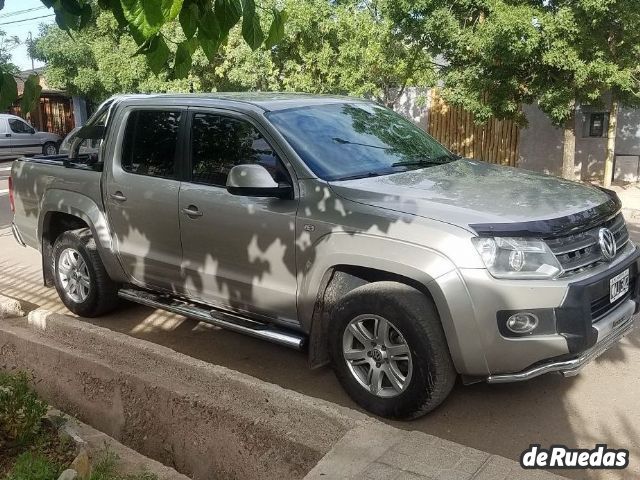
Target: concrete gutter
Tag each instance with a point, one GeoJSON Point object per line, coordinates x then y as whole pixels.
{"type": "Point", "coordinates": [93, 443]}
{"type": "Point", "coordinates": [207, 421]}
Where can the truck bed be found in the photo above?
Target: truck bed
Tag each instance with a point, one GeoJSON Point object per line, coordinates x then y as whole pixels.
{"type": "Point", "coordinates": [36, 181]}
{"type": "Point", "coordinates": [82, 162]}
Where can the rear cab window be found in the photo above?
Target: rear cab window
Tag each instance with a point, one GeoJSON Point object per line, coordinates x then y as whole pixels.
{"type": "Point", "coordinates": [150, 143]}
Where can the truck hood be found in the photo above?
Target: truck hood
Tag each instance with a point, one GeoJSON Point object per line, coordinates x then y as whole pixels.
{"type": "Point", "coordinates": [486, 198]}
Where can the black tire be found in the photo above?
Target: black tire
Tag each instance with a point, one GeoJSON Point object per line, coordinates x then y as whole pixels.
{"type": "Point", "coordinates": [48, 145]}
{"type": "Point", "coordinates": [415, 316]}
{"type": "Point", "coordinates": [103, 292]}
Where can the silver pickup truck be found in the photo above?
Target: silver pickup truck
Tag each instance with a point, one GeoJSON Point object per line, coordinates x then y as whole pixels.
{"type": "Point", "coordinates": [335, 225]}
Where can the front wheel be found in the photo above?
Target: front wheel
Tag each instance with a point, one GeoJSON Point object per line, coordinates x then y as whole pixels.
{"type": "Point", "coordinates": [80, 277]}
{"type": "Point", "coordinates": [389, 351]}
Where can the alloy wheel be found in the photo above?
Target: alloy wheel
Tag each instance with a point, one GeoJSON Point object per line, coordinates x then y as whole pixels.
{"type": "Point", "coordinates": [377, 355]}
{"type": "Point", "coordinates": [74, 275]}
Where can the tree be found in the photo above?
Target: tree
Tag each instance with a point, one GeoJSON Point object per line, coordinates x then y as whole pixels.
{"type": "Point", "coordinates": [500, 54]}
{"type": "Point", "coordinates": [592, 52]}
{"type": "Point", "coordinates": [7, 71]}
{"type": "Point", "coordinates": [100, 60]}
{"type": "Point", "coordinates": [326, 48]}
{"type": "Point", "coordinates": [346, 47]}
{"type": "Point", "coordinates": [205, 25]}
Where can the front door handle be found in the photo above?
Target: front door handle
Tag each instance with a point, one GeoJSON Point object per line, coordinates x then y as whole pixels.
{"type": "Point", "coordinates": [192, 211]}
{"type": "Point", "coordinates": [118, 196]}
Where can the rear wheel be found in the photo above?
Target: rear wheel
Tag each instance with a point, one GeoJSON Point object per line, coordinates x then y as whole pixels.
{"type": "Point", "coordinates": [50, 148]}
{"type": "Point", "coordinates": [80, 278]}
{"type": "Point", "coordinates": [389, 351]}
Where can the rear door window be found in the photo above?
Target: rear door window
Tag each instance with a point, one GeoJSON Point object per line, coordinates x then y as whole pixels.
{"type": "Point", "coordinates": [150, 143]}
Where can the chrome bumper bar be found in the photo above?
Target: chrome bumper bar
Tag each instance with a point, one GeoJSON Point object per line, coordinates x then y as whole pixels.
{"type": "Point", "coordinates": [571, 367]}
{"type": "Point", "coordinates": [16, 234]}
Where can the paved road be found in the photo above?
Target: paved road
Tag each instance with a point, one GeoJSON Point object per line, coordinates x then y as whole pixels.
{"type": "Point", "coordinates": [601, 405]}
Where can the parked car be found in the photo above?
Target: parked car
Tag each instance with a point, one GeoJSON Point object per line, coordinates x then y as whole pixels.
{"type": "Point", "coordinates": [18, 138]}
{"type": "Point", "coordinates": [337, 225]}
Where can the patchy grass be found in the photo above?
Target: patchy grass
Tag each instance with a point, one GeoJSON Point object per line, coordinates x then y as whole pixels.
{"type": "Point", "coordinates": [30, 448]}
{"type": "Point", "coordinates": [106, 469]}
{"type": "Point", "coordinates": [34, 466]}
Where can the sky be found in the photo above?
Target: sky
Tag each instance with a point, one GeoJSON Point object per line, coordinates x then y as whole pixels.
{"type": "Point", "coordinates": [14, 11]}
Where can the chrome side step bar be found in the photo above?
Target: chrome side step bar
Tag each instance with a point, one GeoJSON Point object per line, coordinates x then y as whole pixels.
{"type": "Point", "coordinates": [219, 318]}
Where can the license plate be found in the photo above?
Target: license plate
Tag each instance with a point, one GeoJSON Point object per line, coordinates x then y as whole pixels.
{"type": "Point", "coordinates": [618, 286]}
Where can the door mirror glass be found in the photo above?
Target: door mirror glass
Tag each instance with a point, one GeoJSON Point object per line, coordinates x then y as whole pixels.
{"type": "Point", "coordinates": [255, 181]}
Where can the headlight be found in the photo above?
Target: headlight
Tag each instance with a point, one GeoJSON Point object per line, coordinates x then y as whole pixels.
{"type": "Point", "coordinates": [507, 257]}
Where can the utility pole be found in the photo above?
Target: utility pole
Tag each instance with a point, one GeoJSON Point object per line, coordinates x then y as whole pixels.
{"type": "Point", "coordinates": [29, 43]}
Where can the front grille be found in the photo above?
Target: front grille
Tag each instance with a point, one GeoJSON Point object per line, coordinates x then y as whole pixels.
{"type": "Point", "coordinates": [601, 305]}
{"type": "Point", "coordinates": [581, 251]}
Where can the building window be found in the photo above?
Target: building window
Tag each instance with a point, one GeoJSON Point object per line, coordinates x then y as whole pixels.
{"type": "Point", "coordinates": [597, 124]}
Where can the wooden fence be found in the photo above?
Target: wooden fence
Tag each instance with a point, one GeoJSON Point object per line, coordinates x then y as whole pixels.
{"type": "Point", "coordinates": [55, 114]}
{"type": "Point", "coordinates": [495, 142]}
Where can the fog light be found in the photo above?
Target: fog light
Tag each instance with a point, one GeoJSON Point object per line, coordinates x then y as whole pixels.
{"type": "Point", "coordinates": [522, 322]}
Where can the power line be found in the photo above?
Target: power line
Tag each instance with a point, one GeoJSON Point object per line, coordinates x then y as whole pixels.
{"type": "Point", "coordinates": [27, 19]}
{"type": "Point", "coordinates": [20, 12]}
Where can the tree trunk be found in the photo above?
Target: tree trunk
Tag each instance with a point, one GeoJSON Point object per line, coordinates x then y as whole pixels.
{"type": "Point", "coordinates": [569, 148]}
{"type": "Point", "coordinates": [611, 143]}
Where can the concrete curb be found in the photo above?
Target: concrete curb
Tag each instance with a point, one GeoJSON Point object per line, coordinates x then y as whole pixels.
{"type": "Point", "coordinates": [10, 308]}
{"type": "Point", "coordinates": [91, 442]}
{"type": "Point", "coordinates": [210, 422]}
{"type": "Point", "coordinates": [204, 420]}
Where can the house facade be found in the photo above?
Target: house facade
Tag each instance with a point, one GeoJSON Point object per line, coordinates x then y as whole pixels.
{"type": "Point", "coordinates": [57, 111]}
{"type": "Point", "coordinates": [539, 145]}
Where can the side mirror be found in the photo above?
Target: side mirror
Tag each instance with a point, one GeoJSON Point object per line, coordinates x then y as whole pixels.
{"type": "Point", "coordinates": [255, 181]}
{"type": "Point", "coordinates": [33, 131]}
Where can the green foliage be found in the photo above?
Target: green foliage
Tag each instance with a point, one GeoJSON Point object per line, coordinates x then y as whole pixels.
{"type": "Point", "coordinates": [251, 29]}
{"type": "Point", "coordinates": [344, 47]}
{"type": "Point", "coordinates": [21, 410]}
{"type": "Point", "coordinates": [8, 90]}
{"type": "Point", "coordinates": [31, 93]}
{"type": "Point", "coordinates": [313, 46]}
{"type": "Point", "coordinates": [204, 23]}
{"type": "Point", "coordinates": [500, 54]}
{"type": "Point", "coordinates": [33, 466]}
{"type": "Point", "coordinates": [101, 60]}
{"type": "Point", "coordinates": [145, 20]}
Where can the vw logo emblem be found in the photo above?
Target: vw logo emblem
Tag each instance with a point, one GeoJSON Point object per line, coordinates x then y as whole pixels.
{"type": "Point", "coordinates": [607, 243]}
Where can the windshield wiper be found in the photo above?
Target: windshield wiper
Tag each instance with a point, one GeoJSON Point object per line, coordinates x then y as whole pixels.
{"type": "Point", "coordinates": [440, 160]}
{"type": "Point", "coordinates": [359, 175]}
{"type": "Point", "coordinates": [342, 141]}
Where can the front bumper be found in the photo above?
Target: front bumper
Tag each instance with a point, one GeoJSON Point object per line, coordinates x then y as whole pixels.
{"type": "Point", "coordinates": [610, 330]}
{"type": "Point", "coordinates": [573, 315]}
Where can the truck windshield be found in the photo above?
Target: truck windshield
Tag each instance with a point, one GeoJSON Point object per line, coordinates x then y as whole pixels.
{"type": "Point", "coordinates": [356, 140]}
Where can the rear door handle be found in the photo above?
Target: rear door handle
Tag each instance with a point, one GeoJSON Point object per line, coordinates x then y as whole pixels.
{"type": "Point", "coordinates": [7, 135]}
{"type": "Point", "coordinates": [192, 211]}
{"type": "Point", "coordinates": [118, 196]}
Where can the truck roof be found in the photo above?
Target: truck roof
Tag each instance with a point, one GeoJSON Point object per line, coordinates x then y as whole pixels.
{"type": "Point", "coordinates": [266, 101]}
